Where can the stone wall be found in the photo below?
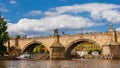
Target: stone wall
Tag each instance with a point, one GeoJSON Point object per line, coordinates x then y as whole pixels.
{"type": "Point", "coordinates": [66, 40]}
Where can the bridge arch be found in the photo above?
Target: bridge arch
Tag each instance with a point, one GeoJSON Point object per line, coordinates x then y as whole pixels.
{"type": "Point", "coordinates": [31, 45]}
{"type": "Point", "coordinates": [73, 44]}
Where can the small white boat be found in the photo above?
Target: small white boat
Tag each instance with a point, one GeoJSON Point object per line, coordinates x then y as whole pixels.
{"type": "Point", "coordinates": [23, 56]}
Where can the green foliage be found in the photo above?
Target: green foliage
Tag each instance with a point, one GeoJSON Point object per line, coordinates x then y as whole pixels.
{"type": "Point", "coordinates": [99, 51]}
{"type": "Point", "coordinates": [3, 50]}
{"type": "Point", "coordinates": [3, 35]}
{"type": "Point", "coordinates": [40, 49]}
{"type": "Point", "coordinates": [90, 51]}
{"type": "Point", "coordinates": [17, 36]}
{"type": "Point", "coordinates": [37, 48]}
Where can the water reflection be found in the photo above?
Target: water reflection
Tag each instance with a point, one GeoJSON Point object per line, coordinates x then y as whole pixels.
{"type": "Point", "coordinates": [3, 64]}
{"type": "Point", "coordinates": [82, 63]}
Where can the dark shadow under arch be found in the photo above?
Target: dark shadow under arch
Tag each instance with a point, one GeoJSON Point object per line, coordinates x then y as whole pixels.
{"type": "Point", "coordinates": [30, 46]}
{"type": "Point", "coordinates": [74, 44]}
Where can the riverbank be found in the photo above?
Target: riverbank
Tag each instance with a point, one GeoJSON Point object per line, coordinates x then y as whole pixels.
{"type": "Point", "coordinates": [7, 58]}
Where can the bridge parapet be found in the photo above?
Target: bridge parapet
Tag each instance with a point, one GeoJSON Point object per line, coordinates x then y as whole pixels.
{"type": "Point", "coordinates": [100, 38]}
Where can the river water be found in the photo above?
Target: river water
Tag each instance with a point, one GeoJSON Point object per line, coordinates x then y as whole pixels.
{"type": "Point", "coordinates": [81, 63]}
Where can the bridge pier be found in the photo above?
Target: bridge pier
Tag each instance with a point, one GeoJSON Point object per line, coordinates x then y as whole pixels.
{"type": "Point", "coordinates": [57, 50]}
{"type": "Point", "coordinates": [111, 50]}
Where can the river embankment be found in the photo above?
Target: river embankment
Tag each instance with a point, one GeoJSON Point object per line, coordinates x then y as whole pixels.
{"type": "Point", "coordinates": [7, 58]}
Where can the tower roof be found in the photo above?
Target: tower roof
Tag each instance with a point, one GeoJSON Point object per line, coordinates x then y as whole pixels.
{"type": "Point", "coordinates": [56, 45]}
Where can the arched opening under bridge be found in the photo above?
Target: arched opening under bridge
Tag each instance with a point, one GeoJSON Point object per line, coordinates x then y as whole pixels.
{"type": "Point", "coordinates": [75, 48]}
{"type": "Point", "coordinates": [36, 50]}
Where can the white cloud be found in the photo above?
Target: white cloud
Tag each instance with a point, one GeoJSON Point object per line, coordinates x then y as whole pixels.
{"type": "Point", "coordinates": [90, 7]}
{"type": "Point", "coordinates": [67, 18]}
{"type": "Point", "coordinates": [112, 16]}
{"type": "Point", "coordinates": [34, 13]}
{"type": "Point", "coordinates": [3, 8]}
{"type": "Point", "coordinates": [96, 11]}
{"type": "Point", "coordinates": [118, 29]}
{"type": "Point", "coordinates": [96, 15]}
{"type": "Point", "coordinates": [24, 26]}
{"type": "Point", "coordinates": [13, 2]}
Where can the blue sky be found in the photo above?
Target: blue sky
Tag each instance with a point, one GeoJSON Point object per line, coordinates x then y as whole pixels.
{"type": "Point", "coordinates": [40, 17]}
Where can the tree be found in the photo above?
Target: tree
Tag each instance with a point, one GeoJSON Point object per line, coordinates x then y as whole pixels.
{"type": "Point", "coordinates": [3, 36]}
{"type": "Point", "coordinates": [40, 49]}
{"type": "Point", "coordinates": [17, 36]}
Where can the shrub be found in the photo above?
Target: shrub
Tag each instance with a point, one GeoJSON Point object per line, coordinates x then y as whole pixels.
{"type": "Point", "coordinates": [3, 50]}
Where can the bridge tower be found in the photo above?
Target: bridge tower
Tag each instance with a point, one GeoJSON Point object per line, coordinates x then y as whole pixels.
{"type": "Point", "coordinates": [57, 49]}
{"type": "Point", "coordinates": [112, 33]}
{"type": "Point", "coordinates": [111, 28]}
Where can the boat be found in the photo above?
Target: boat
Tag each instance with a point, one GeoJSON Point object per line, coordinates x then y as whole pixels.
{"type": "Point", "coordinates": [23, 56]}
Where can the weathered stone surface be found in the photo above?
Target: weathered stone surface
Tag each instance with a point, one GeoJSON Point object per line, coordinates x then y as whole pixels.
{"type": "Point", "coordinates": [14, 51]}
{"type": "Point", "coordinates": [66, 40]}
{"type": "Point", "coordinates": [111, 50]}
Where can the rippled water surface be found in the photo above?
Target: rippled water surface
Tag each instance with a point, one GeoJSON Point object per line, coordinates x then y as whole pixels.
{"type": "Point", "coordinates": [82, 63]}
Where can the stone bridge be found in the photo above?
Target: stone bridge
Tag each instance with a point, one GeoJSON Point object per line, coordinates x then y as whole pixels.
{"type": "Point", "coordinates": [68, 41]}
